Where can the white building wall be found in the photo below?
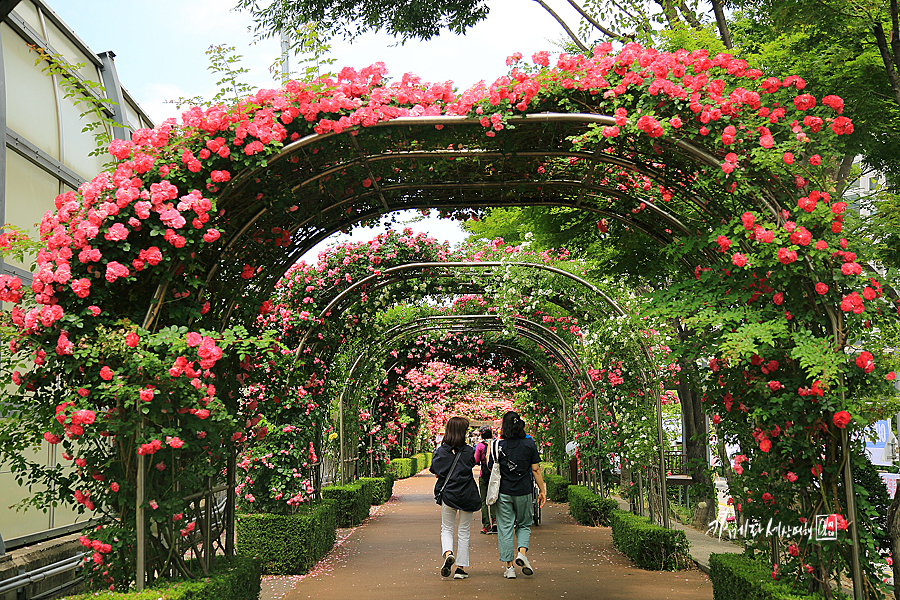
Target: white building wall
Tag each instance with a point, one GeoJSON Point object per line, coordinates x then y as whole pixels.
{"type": "Point", "coordinates": [44, 153]}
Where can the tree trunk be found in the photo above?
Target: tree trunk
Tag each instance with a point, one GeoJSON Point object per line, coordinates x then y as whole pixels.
{"type": "Point", "coordinates": [695, 437]}
{"type": "Point", "coordinates": [722, 24]}
{"type": "Point", "coordinates": [565, 26]}
{"type": "Point", "coordinates": [887, 57]}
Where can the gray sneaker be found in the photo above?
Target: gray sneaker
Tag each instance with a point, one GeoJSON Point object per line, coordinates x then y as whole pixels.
{"type": "Point", "coordinates": [510, 573]}
{"type": "Point", "coordinates": [522, 561]}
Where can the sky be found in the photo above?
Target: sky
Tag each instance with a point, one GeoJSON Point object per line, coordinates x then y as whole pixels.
{"type": "Point", "coordinates": [160, 54]}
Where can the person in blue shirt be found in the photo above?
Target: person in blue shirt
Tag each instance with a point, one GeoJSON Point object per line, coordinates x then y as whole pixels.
{"type": "Point", "coordinates": [519, 462]}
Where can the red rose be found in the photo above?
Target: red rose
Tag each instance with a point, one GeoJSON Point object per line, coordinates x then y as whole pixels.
{"type": "Point", "coordinates": [841, 419]}
{"type": "Point", "coordinates": [865, 361]}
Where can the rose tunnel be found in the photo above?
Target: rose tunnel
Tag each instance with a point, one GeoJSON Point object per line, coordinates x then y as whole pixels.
{"type": "Point", "coordinates": [169, 313]}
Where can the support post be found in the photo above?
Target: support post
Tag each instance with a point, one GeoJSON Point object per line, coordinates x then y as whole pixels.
{"type": "Point", "coordinates": [141, 575]}
{"type": "Point", "coordinates": [856, 569]}
{"type": "Point", "coordinates": [599, 443]}
{"type": "Point", "coordinates": [640, 492]}
{"type": "Point", "coordinates": [206, 557]}
{"type": "Point", "coordinates": [661, 437]}
{"type": "Point", "coordinates": [230, 502]}
{"type": "Point", "coordinates": [341, 434]}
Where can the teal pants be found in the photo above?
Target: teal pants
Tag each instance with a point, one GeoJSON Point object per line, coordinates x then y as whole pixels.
{"type": "Point", "coordinates": [514, 514]}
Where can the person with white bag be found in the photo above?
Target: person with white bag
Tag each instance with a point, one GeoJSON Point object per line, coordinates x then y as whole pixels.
{"type": "Point", "coordinates": [518, 460]}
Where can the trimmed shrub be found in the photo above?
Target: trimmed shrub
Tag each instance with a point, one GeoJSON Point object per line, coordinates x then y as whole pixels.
{"type": "Point", "coordinates": [352, 502]}
{"type": "Point", "coordinates": [589, 508]}
{"type": "Point", "coordinates": [235, 578]}
{"type": "Point", "coordinates": [557, 487]}
{"type": "Point", "coordinates": [739, 577]}
{"type": "Point", "coordinates": [401, 468]}
{"type": "Point", "coordinates": [650, 546]}
{"type": "Point", "coordinates": [288, 544]}
{"type": "Point", "coordinates": [423, 461]}
{"type": "Point", "coordinates": [380, 488]}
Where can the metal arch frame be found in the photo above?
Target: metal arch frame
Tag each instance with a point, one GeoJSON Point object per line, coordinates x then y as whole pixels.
{"type": "Point", "coordinates": [384, 275]}
{"type": "Point", "coordinates": [422, 266]}
{"type": "Point", "coordinates": [495, 324]}
{"type": "Point", "coordinates": [419, 325]}
{"type": "Point", "coordinates": [698, 153]}
{"type": "Point", "coordinates": [493, 264]}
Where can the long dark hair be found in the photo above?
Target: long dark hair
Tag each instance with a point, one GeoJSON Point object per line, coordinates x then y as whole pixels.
{"type": "Point", "coordinates": [513, 427]}
{"type": "Point", "coordinates": [455, 434]}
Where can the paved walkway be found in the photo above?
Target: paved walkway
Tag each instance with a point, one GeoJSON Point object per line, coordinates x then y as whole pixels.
{"type": "Point", "coordinates": [395, 555]}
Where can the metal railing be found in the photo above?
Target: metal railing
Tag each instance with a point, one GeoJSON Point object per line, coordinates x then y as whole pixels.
{"type": "Point", "coordinates": [20, 582]}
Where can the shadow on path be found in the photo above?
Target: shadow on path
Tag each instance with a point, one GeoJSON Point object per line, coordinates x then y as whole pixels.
{"type": "Point", "coordinates": [395, 555]}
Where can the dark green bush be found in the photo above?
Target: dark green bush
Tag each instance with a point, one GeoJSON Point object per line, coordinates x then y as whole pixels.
{"type": "Point", "coordinates": [235, 578]}
{"type": "Point", "coordinates": [353, 502]}
{"type": "Point", "coordinates": [401, 468]}
{"type": "Point", "coordinates": [738, 577]}
{"type": "Point", "coordinates": [650, 546]}
{"type": "Point", "coordinates": [288, 544]}
{"type": "Point", "coordinates": [381, 487]}
{"type": "Point", "coordinates": [557, 487]}
{"type": "Point", "coordinates": [589, 508]}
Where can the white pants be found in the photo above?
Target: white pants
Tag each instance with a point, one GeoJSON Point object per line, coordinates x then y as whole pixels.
{"type": "Point", "coordinates": [448, 523]}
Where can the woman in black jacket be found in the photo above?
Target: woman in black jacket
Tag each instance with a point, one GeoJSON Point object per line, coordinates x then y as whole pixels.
{"type": "Point", "coordinates": [458, 494]}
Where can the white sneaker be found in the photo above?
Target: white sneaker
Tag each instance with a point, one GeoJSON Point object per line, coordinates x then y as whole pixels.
{"type": "Point", "coordinates": [510, 573]}
{"type": "Point", "coordinates": [522, 561]}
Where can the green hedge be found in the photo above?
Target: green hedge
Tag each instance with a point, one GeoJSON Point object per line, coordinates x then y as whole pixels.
{"type": "Point", "coordinates": [557, 487]}
{"type": "Point", "coordinates": [401, 468]}
{"type": "Point", "coordinates": [235, 578]}
{"type": "Point", "coordinates": [381, 488]}
{"type": "Point", "coordinates": [288, 544]}
{"type": "Point", "coordinates": [353, 502]}
{"type": "Point", "coordinates": [589, 508]}
{"type": "Point", "coordinates": [650, 546]}
{"type": "Point", "coordinates": [738, 577]}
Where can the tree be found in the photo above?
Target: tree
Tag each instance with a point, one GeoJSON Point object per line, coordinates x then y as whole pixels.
{"type": "Point", "coordinates": [600, 19]}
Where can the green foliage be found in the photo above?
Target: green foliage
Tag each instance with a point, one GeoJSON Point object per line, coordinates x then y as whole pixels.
{"type": "Point", "coordinates": [681, 36]}
{"type": "Point", "coordinates": [422, 461]}
{"type": "Point", "coordinates": [236, 578]}
{"type": "Point", "coordinates": [352, 502]}
{"type": "Point", "coordinates": [87, 96]}
{"type": "Point", "coordinates": [350, 18]}
{"type": "Point", "coordinates": [738, 577]}
{"type": "Point", "coordinates": [589, 508]}
{"type": "Point", "coordinates": [401, 468]}
{"type": "Point", "coordinates": [831, 44]}
{"type": "Point", "coordinates": [380, 488]}
{"type": "Point", "coordinates": [557, 488]}
{"type": "Point", "coordinates": [288, 544]}
{"type": "Point", "coordinates": [650, 546]}
{"type": "Point", "coordinates": [311, 47]}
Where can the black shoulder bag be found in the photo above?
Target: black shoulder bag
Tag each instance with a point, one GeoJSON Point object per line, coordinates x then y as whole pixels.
{"type": "Point", "coordinates": [438, 496]}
